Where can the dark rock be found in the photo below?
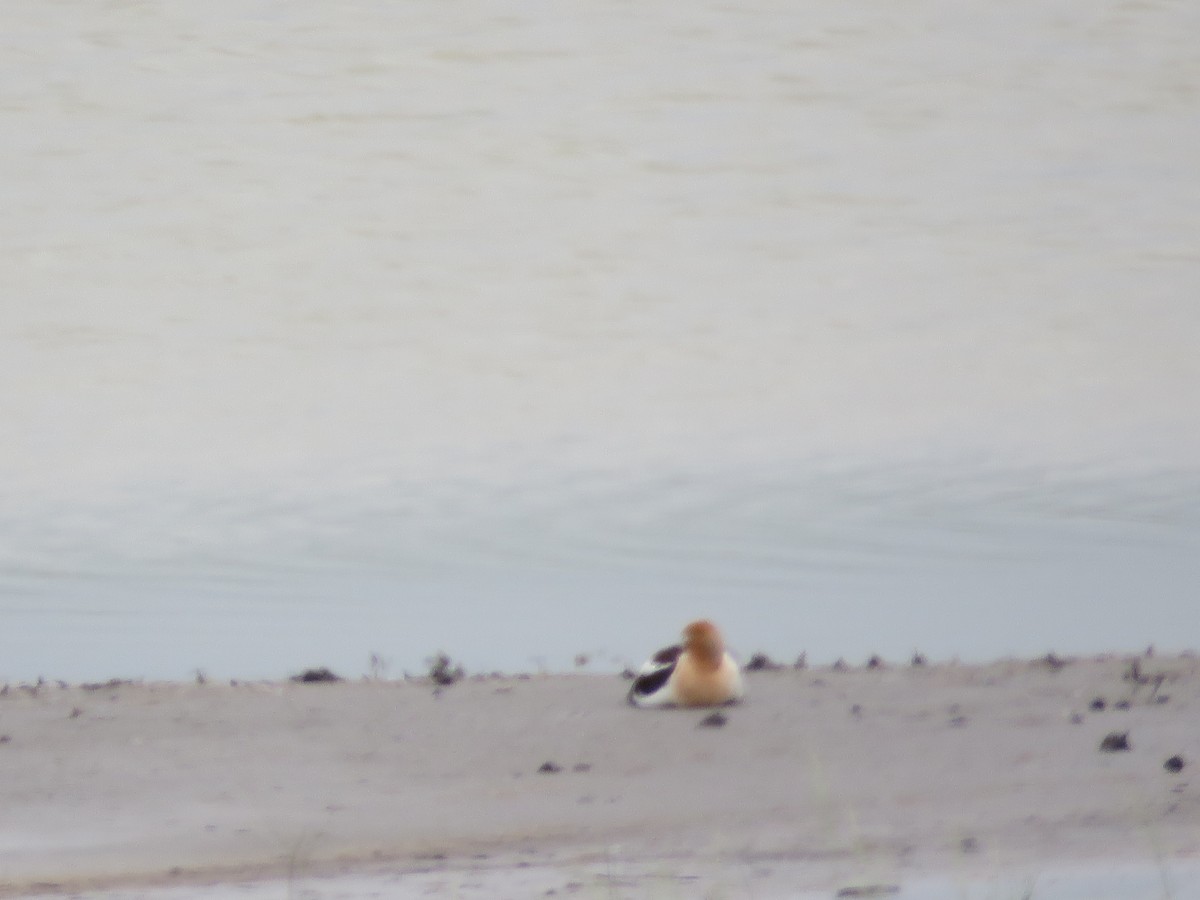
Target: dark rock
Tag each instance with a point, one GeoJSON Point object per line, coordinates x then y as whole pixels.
{"type": "Point", "coordinates": [316, 676]}
{"type": "Point", "coordinates": [1115, 742]}
{"type": "Point", "coordinates": [713, 720]}
{"type": "Point", "coordinates": [1174, 764]}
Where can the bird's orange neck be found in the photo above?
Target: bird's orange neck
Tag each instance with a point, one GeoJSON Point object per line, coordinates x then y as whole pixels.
{"type": "Point", "coordinates": [707, 653]}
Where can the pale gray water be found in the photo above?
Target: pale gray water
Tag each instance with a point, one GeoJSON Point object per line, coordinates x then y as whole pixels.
{"type": "Point", "coordinates": [333, 330]}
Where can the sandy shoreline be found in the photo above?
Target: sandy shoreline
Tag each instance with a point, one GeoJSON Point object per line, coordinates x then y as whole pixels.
{"type": "Point", "coordinates": [824, 778]}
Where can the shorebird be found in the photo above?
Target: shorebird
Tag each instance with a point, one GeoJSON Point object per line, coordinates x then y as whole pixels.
{"type": "Point", "coordinates": [698, 672]}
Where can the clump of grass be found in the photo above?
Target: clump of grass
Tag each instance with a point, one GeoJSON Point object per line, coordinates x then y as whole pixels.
{"type": "Point", "coordinates": [760, 662]}
{"type": "Point", "coordinates": [378, 667]}
{"type": "Point", "coordinates": [443, 671]}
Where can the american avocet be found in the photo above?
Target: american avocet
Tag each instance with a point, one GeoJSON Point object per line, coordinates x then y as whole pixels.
{"type": "Point", "coordinates": [698, 672]}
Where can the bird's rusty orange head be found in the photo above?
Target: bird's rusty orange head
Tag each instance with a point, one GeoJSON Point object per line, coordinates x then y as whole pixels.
{"type": "Point", "coordinates": [704, 640]}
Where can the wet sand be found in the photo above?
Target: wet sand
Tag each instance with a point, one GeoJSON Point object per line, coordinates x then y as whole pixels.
{"type": "Point", "coordinates": [824, 779]}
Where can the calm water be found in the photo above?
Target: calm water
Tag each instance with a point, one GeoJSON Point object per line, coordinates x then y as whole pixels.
{"type": "Point", "coordinates": [334, 330]}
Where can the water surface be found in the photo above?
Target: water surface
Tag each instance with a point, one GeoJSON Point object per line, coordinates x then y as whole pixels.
{"type": "Point", "coordinates": [332, 331]}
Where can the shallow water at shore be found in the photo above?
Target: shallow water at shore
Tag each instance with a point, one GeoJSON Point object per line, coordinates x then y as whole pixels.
{"type": "Point", "coordinates": [330, 333]}
{"type": "Point", "coordinates": [845, 564]}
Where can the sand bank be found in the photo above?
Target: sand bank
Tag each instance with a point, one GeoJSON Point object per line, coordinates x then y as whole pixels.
{"type": "Point", "coordinates": [823, 779]}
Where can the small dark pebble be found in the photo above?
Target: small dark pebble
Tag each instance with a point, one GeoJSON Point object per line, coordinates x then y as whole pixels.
{"type": "Point", "coordinates": [856, 710]}
{"type": "Point", "coordinates": [958, 721]}
{"type": "Point", "coordinates": [1097, 705]}
{"type": "Point", "coordinates": [315, 676]}
{"type": "Point", "coordinates": [1162, 698]}
{"type": "Point", "coordinates": [1076, 719]}
{"type": "Point", "coordinates": [713, 720]}
{"type": "Point", "coordinates": [1121, 704]}
{"type": "Point", "coordinates": [1053, 662]}
{"type": "Point", "coordinates": [1174, 764]}
{"type": "Point", "coordinates": [968, 845]}
{"type": "Point", "coordinates": [76, 712]}
{"type": "Point", "coordinates": [549, 768]}
{"type": "Point", "coordinates": [875, 662]}
{"type": "Point", "coordinates": [1115, 741]}
{"type": "Point", "coordinates": [5, 738]}
{"type": "Point", "coordinates": [581, 767]}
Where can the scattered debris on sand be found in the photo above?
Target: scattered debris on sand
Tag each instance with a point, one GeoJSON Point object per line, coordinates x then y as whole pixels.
{"type": "Point", "coordinates": [105, 685]}
{"type": "Point", "coordinates": [869, 890]}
